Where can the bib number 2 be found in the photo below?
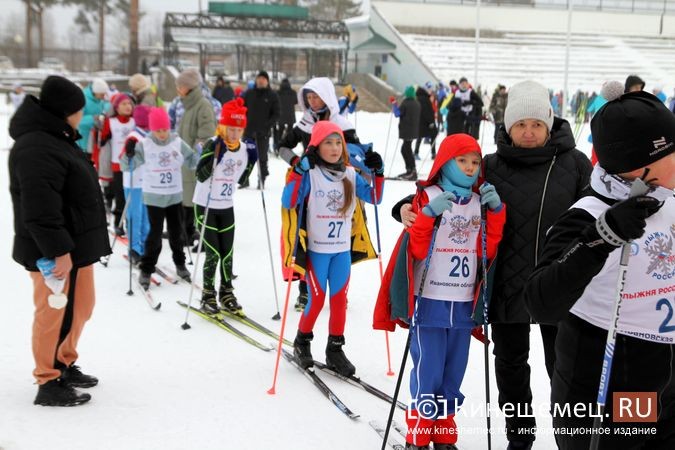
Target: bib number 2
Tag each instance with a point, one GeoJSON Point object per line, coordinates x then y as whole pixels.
{"type": "Point", "coordinates": [666, 326]}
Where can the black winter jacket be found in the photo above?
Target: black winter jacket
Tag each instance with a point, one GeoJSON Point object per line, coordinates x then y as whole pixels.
{"type": "Point", "coordinates": [537, 185]}
{"type": "Point", "coordinates": [409, 119]}
{"type": "Point", "coordinates": [288, 98]}
{"type": "Point", "coordinates": [427, 119]}
{"type": "Point", "coordinates": [58, 206]}
{"type": "Point", "coordinates": [263, 110]}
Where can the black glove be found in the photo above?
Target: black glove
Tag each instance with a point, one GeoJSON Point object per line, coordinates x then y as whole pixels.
{"type": "Point", "coordinates": [374, 162]}
{"type": "Point", "coordinates": [626, 220]}
{"type": "Point", "coordinates": [130, 148]}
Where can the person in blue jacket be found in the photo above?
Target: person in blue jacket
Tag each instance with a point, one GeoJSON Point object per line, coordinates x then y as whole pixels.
{"type": "Point", "coordinates": [95, 108]}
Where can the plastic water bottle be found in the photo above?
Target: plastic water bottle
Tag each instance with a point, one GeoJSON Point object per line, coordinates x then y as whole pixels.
{"type": "Point", "coordinates": [58, 299]}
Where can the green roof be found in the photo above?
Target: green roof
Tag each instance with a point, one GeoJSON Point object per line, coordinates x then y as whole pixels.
{"type": "Point", "coordinates": [258, 10]}
{"type": "Point", "coordinates": [376, 44]}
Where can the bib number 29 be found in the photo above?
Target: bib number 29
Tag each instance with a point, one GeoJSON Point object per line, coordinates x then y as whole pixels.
{"type": "Point", "coordinates": [334, 229]}
{"type": "Point", "coordinates": [165, 177]}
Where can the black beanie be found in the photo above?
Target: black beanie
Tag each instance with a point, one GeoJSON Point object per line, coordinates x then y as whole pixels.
{"type": "Point", "coordinates": [263, 74]}
{"type": "Point", "coordinates": [632, 131]}
{"type": "Point", "coordinates": [61, 96]}
{"type": "Point", "coordinates": [632, 80]}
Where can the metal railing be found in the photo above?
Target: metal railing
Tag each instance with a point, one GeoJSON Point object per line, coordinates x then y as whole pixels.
{"type": "Point", "coordinates": [630, 6]}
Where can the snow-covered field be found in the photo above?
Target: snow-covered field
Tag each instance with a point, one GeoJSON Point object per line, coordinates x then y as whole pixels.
{"type": "Point", "coordinates": [165, 388]}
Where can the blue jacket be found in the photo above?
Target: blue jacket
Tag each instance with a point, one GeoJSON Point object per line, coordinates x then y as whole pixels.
{"type": "Point", "coordinates": [93, 107]}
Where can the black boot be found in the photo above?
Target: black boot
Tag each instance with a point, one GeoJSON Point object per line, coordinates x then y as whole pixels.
{"type": "Point", "coordinates": [302, 349]}
{"type": "Point", "coordinates": [410, 175]}
{"type": "Point", "coordinates": [229, 302]}
{"type": "Point", "coordinates": [519, 445]}
{"type": "Point", "coordinates": [335, 357]}
{"type": "Point", "coordinates": [409, 446]}
{"type": "Point", "coordinates": [209, 303]}
{"type": "Point", "coordinates": [183, 273]}
{"type": "Point", "coordinates": [144, 280]}
{"type": "Point", "coordinates": [57, 393]}
{"type": "Point", "coordinates": [445, 446]}
{"type": "Point", "coordinates": [301, 302]}
{"type": "Point", "coordinates": [73, 377]}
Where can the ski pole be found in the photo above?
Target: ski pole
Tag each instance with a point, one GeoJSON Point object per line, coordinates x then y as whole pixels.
{"type": "Point", "coordinates": [216, 153]}
{"type": "Point", "coordinates": [188, 250]}
{"type": "Point", "coordinates": [393, 158]}
{"type": "Point", "coordinates": [379, 260]}
{"type": "Point", "coordinates": [386, 143]}
{"type": "Point", "coordinates": [276, 316]}
{"type": "Point", "coordinates": [296, 243]}
{"type": "Point", "coordinates": [106, 260]}
{"type": "Point", "coordinates": [638, 188]}
{"type": "Point", "coordinates": [426, 157]}
{"type": "Point", "coordinates": [131, 223]}
{"type": "Point", "coordinates": [427, 260]}
{"type": "Point", "coordinates": [483, 245]}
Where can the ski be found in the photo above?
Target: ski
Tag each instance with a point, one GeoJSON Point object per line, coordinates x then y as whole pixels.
{"type": "Point", "coordinates": [176, 279]}
{"type": "Point", "coordinates": [245, 320]}
{"type": "Point", "coordinates": [318, 382]}
{"type": "Point", "coordinates": [391, 441]}
{"type": "Point", "coordinates": [218, 319]}
{"type": "Point", "coordinates": [148, 296]}
{"type": "Point", "coordinates": [166, 276]}
{"type": "Point", "coordinates": [399, 428]}
{"type": "Point", "coordinates": [358, 382]}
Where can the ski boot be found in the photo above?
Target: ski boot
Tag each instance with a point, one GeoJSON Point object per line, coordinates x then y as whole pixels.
{"type": "Point", "coordinates": [410, 175]}
{"type": "Point", "coordinates": [302, 299]}
{"type": "Point", "coordinates": [144, 280]}
{"type": "Point", "coordinates": [445, 447]}
{"type": "Point", "coordinates": [519, 445]}
{"type": "Point", "coordinates": [243, 184]}
{"type": "Point", "coordinates": [335, 357]}
{"type": "Point", "coordinates": [183, 273]}
{"type": "Point", "coordinates": [73, 377]}
{"type": "Point", "coordinates": [409, 446]}
{"type": "Point", "coordinates": [135, 257]}
{"type": "Point", "coordinates": [302, 349]}
{"type": "Point", "coordinates": [229, 302]}
{"type": "Point", "coordinates": [57, 393]}
{"type": "Point", "coordinates": [209, 303]}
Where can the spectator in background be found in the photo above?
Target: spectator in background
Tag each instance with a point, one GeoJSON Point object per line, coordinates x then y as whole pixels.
{"type": "Point", "coordinates": [427, 127]}
{"type": "Point", "coordinates": [634, 83]}
{"type": "Point", "coordinates": [472, 107]}
{"type": "Point", "coordinates": [96, 106]}
{"type": "Point", "coordinates": [143, 92]}
{"type": "Point", "coordinates": [288, 98]}
{"type": "Point", "coordinates": [222, 91]}
{"type": "Point", "coordinates": [497, 107]}
{"type": "Point", "coordinates": [262, 113]}
{"type": "Point", "coordinates": [408, 113]}
{"type": "Point", "coordinates": [16, 95]}
{"type": "Point", "coordinates": [658, 92]}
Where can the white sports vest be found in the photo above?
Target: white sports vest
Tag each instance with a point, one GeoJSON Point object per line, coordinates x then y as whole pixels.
{"type": "Point", "coordinates": [454, 260]}
{"type": "Point", "coordinates": [162, 167]}
{"type": "Point", "coordinates": [465, 97]}
{"type": "Point", "coordinates": [225, 178]}
{"type": "Point", "coordinates": [329, 231]}
{"type": "Point", "coordinates": [138, 171]}
{"type": "Point", "coordinates": [648, 297]}
{"type": "Point", "coordinates": [119, 132]}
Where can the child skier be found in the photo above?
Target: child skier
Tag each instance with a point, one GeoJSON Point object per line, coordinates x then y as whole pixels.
{"type": "Point", "coordinates": [137, 213]}
{"type": "Point", "coordinates": [163, 153]}
{"type": "Point", "coordinates": [329, 187]}
{"type": "Point", "coordinates": [234, 160]}
{"type": "Point", "coordinates": [112, 136]}
{"type": "Point", "coordinates": [575, 282]}
{"type": "Point", "coordinates": [441, 317]}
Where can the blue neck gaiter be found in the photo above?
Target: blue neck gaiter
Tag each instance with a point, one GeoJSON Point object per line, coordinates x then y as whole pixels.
{"type": "Point", "coordinates": [452, 179]}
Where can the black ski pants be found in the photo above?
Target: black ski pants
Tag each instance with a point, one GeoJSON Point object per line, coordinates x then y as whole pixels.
{"type": "Point", "coordinates": [408, 157]}
{"type": "Point", "coordinates": [153, 244]}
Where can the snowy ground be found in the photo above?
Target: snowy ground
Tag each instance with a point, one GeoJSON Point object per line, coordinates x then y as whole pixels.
{"type": "Point", "coordinates": [165, 388]}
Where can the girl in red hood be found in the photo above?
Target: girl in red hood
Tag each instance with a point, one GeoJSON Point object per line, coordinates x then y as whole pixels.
{"type": "Point", "coordinates": [441, 319]}
{"type": "Point", "coordinates": [329, 186]}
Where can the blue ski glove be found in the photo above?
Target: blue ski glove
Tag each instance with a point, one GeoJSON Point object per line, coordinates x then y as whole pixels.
{"type": "Point", "coordinates": [440, 204]}
{"type": "Point", "coordinates": [251, 149]}
{"type": "Point", "coordinates": [489, 196]}
{"type": "Point", "coordinates": [307, 162]}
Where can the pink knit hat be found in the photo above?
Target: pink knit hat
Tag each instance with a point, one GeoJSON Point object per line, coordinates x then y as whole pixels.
{"type": "Point", "coordinates": [141, 113]}
{"type": "Point", "coordinates": [159, 119]}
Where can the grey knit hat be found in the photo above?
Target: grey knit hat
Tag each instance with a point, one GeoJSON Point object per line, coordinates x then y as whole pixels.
{"type": "Point", "coordinates": [189, 78]}
{"type": "Point", "coordinates": [528, 100]}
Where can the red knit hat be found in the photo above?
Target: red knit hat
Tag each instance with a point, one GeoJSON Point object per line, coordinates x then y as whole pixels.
{"type": "Point", "coordinates": [159, 119]}
{"type": "Point", "coordinates": [233, 114]}
{"type": "Point", "coordinates": [321, 131]}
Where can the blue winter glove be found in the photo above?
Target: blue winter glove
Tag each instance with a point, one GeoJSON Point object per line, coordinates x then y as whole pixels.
{"type": "Point", "coordinates": [440, 204]}
{"type": "Point", "coordinates": [489, 196]}
{"type": "Point", "coordinates": [251, 149]}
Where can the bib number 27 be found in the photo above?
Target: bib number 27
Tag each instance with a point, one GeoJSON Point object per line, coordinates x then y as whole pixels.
{"type": "Point", "coordinates": [334, 229]}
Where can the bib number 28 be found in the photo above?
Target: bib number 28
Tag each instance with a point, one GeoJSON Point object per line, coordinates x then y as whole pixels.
{"type": "Point", "coordinates": [227, 190]}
